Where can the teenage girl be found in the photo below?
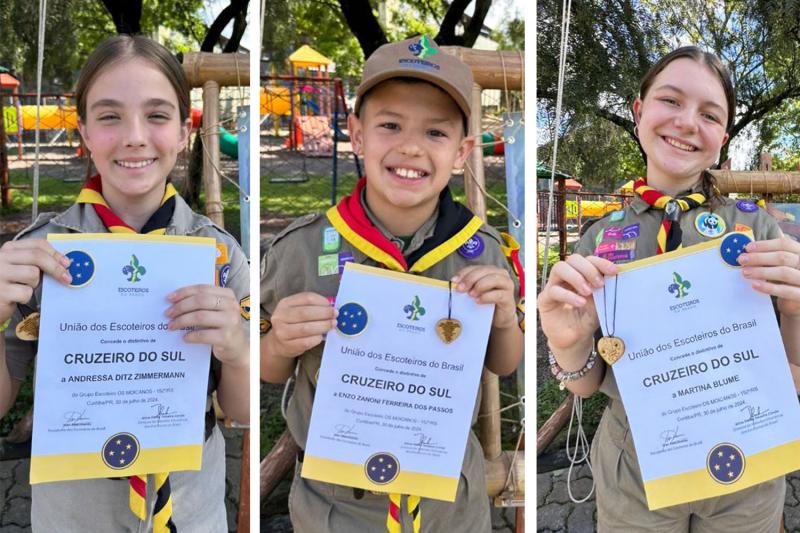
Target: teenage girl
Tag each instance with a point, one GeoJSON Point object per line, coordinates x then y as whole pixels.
{"type": "Point", "coordinates": [683, 116]}
{"type": "Point", "coordinates": [133, 114]}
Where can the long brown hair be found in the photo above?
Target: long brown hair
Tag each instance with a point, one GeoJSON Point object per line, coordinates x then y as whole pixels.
{"type": "Point", "coordinates": [715, 65]}
{"type": "Point", "coordinates": [122, 47]}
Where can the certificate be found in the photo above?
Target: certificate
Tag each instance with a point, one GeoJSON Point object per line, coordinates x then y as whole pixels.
{"type": "Point", "coordinates": [117, 393]}
{"type": "Point", "coordinates": [394, 401]}
{"type": "Point", "coordinates": [704, 376]}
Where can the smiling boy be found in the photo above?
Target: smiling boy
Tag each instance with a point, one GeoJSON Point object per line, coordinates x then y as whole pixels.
{"type": "Point", "coordinates": [409, 125]}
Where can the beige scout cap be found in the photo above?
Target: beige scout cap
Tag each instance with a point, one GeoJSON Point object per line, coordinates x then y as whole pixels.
{"type": "Point", "coordinates": [418, 57]}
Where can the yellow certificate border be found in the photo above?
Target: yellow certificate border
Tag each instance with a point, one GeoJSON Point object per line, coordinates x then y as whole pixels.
{"type": "Point", "coordinates": [71, 466]}
{"type": "Point", "coordinates": [176, 239]}
{"type": "Point", "coordinates": [422, 280]}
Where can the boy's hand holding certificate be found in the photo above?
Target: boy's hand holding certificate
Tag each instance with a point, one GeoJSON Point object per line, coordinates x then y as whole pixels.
{"type": "Point", "coordinates": [117, 392]}
{"type": "Point", "coordinates": [394, 400]}
{"type": "Point", "coordinates": [704, 376]}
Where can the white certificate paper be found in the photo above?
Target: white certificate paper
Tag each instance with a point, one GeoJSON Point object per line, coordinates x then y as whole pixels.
{"type": "Point", "coordinates": [394, 402]}
{"type": "Point", "coordinates": [704, 378]}
{"type": "Point", "coordinates": [117, 393]}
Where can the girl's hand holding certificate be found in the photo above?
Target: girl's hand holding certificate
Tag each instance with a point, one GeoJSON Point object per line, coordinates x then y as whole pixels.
{"type": "Point", "coordinates": [772, 266]}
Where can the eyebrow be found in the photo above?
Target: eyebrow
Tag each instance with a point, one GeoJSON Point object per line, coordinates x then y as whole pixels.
{"type": "Point", "coordinates": [680, 91]}
{"type": "Point", "coordinates": [152, 102]}
{"type": "Point", "coordinates": [433, 120]}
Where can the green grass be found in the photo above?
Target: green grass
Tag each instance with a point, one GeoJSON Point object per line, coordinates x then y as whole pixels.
{"type": "Point", "coordinates": [54, 194]}
{"type": "Point", "coordinates": [20, 407]}
{"type": "Point", "coordinates": [549, 397]}
{"type": "Point", "coordinates": [314, 195]}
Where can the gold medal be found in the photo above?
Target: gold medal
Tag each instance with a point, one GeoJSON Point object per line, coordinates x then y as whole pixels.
{"type": "Point", "coordinates": [448, 329]}
{"type": "Point", "coordinates": [28, 328]}
{"type": "Point", "coordinates": [610, 349]}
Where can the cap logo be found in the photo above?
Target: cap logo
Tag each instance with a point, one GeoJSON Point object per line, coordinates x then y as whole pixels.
{"type": "Point", "coordinates": [423, 48]}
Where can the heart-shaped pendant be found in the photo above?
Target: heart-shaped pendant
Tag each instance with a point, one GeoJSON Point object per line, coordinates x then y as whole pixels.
{"type": "Point", "coordinates": [448, 329]}
{"type": "Point", "coordinates": [610, 348]}
{"type": "Point", "coordinates": [28, 328]}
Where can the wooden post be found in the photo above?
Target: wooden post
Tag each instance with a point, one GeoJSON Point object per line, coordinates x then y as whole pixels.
{"type": "Point", "coordinates": [243, 517]}
{"type": "Point", "coordinates": [211, 179]}
{"type": "Point", "coordinates": [492, 69]}
{"type": "Point", "coordinates": [474, 177]}
{"type": "Point", "coordinates": [5, 188]}
{"type": "Point", "coordinates": [278, 461]}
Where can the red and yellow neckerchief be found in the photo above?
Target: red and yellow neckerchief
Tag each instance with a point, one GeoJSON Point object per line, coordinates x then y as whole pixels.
{"type": "Point", "coordinates": [92, 193]}
{"type": "Point", "coordinates": [669, 235]}
{"type": "Point", "coordinates": [454, 226]}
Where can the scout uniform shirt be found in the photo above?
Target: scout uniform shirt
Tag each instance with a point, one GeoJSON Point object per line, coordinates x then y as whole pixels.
{"type": "Point", "coordinates": [199, 497]}
{"type": "Point", "coordinates": [295, 263]}
{"type": "Point", "coordinates": [621, 237]}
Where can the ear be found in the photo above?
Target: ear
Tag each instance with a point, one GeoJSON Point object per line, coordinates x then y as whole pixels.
{"type": "Point", "coordinates": [467, 144]}
{"type": "Point", "coordinates": [186, 130]}
{"type": "Point", "coordinates": [725, 138]}
{"type": "Point", "coordinates": [637, 110]}
{"type": "Point", "coordinates": [356, 132]}
{"type": "Point", "coordinates": [82, 129]}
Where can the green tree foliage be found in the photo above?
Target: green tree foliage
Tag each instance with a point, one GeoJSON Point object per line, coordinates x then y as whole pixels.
{"type": "Point", "coordinates": [73, 28]}
{"type": "Point", "coordinates": [612, 44]}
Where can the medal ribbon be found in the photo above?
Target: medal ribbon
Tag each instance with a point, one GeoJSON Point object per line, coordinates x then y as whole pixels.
{"type": "Point", "coordinates": [92, 193]}
{"type": "Point", "coordinates": [454, 226]}
{"type": "Point", "coordinates": [393, 516]}
{"type": "Point", "coordinates": [669, 235]}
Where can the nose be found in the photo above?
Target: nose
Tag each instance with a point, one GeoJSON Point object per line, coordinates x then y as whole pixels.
{"type": "Point", "coordinates": [409, 145]}
{"type": "Point", "coordinates": [136, 132]}
{"type": "Point", "coordinates": [687, 119]}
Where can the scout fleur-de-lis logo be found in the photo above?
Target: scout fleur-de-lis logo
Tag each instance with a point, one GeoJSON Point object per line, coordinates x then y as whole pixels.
{"type": "Point", "coordinates": [679, 286]}
{"type": "Point", "coordinates": [414, 309]}
{"type": "Point", "coordinates": [423, 48]}
{"type": "Point", "coordinates": [134, 270]}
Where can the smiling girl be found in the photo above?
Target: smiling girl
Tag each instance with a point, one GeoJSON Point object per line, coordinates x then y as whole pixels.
{"type": "Point", "coordinates": [133, 114]}
{"type": "Point", "coordinates": [683, 115]}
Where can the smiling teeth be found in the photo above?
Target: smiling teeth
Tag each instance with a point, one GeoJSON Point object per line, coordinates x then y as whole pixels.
{"type": "Point", "coordinates": [409, 174]}
{"type": "Point", "coordinates": [135, 164]}
{"type": "Point", "coordinates": [676, 144]}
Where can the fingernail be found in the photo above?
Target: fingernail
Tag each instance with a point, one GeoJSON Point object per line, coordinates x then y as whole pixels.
{"type": "Point", "coordinates": [461, 287]}
{"type": "Point", "coordinates": [168, 312]}
{"type": "Point", "coordinates": [585, 289]}
{"type": "Point", "coordinates": [749, 247]}
{"type": "Point", "coordinates": [65, 261]}
{"type": "Point", "coordinates": [66, 277]}
{"type": "Point", "coordinates": [171, 296]}
{"type": "Point", "coordinates": [742, 259]}
{"type": "Point", "coordinates": [455, 279]}
{"type": "Point", "coordinates": [579, 300]}
{"type": "Point", "coordinates": [599, 281]}
{"type": "Point", "coordinates": [747, 272]}
{"type": "Point", "coordinates": [335, 312]}
{"type": "Point", "coordinates": [171, 326]}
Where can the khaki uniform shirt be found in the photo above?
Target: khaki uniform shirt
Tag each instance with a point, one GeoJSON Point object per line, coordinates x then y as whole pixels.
{"type": "Point", "coordinates": [198, 496]}
{"type": "Point", "coordinates": [290, 266]}
{"type": "Point", "coordinates": [622, 239]}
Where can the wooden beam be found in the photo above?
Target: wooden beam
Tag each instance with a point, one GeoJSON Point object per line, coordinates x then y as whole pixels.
{"type": "Point", "coordinates": [757, 181]}
{"type": "Point", "coordinates": [493, 69]}
{"type": "Point", "coordinates": [225, 69]}
{"type": "Point", "coordinates": [497, 473]}
{"type": "Point", "coordinates": [211, 178]}
{"type": "Point", "coordinates": [278, 461]}
{"type": "Point", "coordinates": [554, 424]}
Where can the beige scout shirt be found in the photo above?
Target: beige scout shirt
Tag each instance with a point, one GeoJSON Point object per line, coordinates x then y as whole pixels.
{"type": "Point", "coordinates": [291, 265]}
{"type": "Point", "coordinates": [644, 221]}
{"type": "Point", "coordinates": [81, 218]}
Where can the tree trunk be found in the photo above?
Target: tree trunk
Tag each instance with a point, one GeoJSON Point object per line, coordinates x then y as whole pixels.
{"type": "Point", "coordinates": [363, 24]}
{"type": "Point", "coordinates": [127, 15]}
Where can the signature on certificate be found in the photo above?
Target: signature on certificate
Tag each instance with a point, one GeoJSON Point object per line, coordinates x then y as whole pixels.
{"type": "Point", "coordinates": [753, 413]}
{"type": "Point", "coordinates": [669, 436]}
{"type": "Point", "coordinates": [424, 441]}
{"type": "Point", "coordinates": [343, 430]}
{"type": "Point", "coordinates": [71, 417]}
{"type": "Point", "coordinates": [163, 410]}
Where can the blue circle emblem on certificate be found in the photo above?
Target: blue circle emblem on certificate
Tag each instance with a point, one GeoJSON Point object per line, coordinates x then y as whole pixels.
{"type": "Point", "coordinates": [352, 319]}
{"type": "Point", "coordinates": [81, 268]}
{"type": "Point", "coordinates": [725, 463]}
{"type": "Point", "coordinates": [382, 468]}
{"type": "Point", "coordinates": [120, 451]}
{"type": "Point", "coordinates": [732, 246]}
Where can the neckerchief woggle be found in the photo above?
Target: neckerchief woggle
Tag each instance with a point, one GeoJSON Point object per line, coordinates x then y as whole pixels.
{"type": "Point", "coordinates": [669, 235]}
{"type": "Point", "coordinates": [92, 193]}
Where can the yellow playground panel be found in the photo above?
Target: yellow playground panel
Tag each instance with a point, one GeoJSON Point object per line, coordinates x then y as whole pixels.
{"type": "Point", "coordinates": [591, 208]}
{"type": "Point", "coordinates": [275, 101]}
{"type": "Point", "coordinates": [52, 117]}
